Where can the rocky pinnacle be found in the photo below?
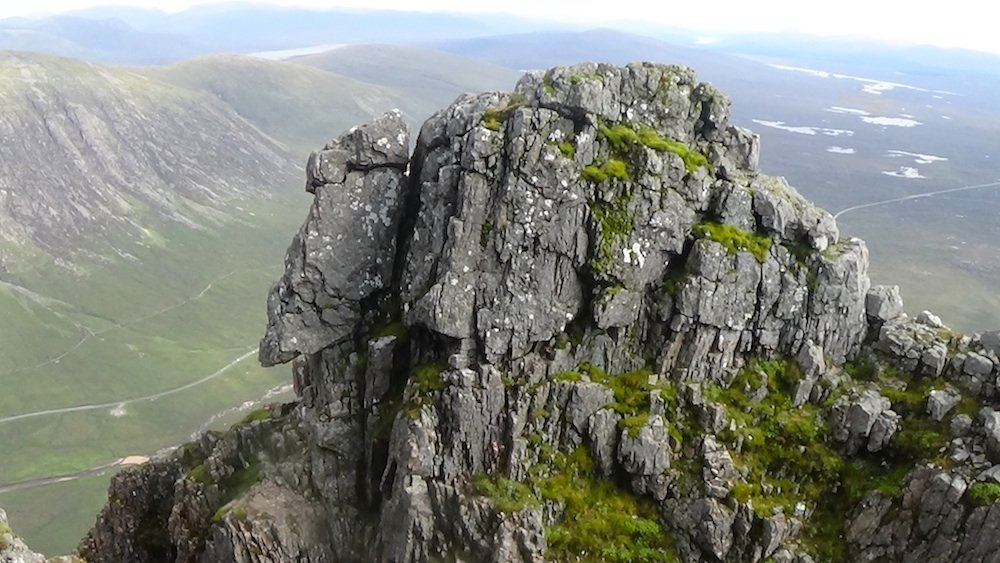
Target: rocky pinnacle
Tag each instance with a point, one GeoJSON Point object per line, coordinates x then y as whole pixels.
{"type": "Point", "coordinates": [577, 323]}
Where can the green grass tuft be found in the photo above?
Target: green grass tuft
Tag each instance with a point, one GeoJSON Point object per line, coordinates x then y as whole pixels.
{"type": "Point", "coordinates": [393, 328]}
{"type": "Point", "coordinates": [580, 77]}
{"type": "Point", "coordinates": [983, 494]}
{"type": "Point", "coordinates": [494, 118]}
{"type": "Point", "coordinates": [427, 378]}
{"type": "Point", "coordinates": [200, 474]}
{"type": "Point", "coordinates": [611, 169]}
{"type": "Point", "coordinates": [634, 423]}
{"type": "Point", "coordinates": [615, 223]}
{"type": "Point", "coordinates": [920, 439]}
{"type": "Point", "coordinates": [568, 376]}
{"type": "Point", "coordinates": [692, 159]}
{"type": "Point", "coordinates": [860, 476]}
{"type": "Point", "coordinates": [616, 169]}
{"type": "Point", "coordinates": [785, 448]}
{"type": "Point", "coordinates": [733, 239]}
{"type": "Point", "coordinates": [601, 522]}
{"type": "Point", "coordinates": [632, 392]}
{"type": "Point", "coordinates": [240, 481]}
{"type": "Point", "coordinates": [484, 233]}
{"type": "Point", "coordinates": [507, 495]}
{"type": "Point", "coordinates": [547, 86]}
{"type": "Point", "coordinates": [567, 149]}
{"type": "Point", "coordinates": [862, 369]}
{"type": "Point", "coordinates": [257, 415]}
{"type": "Point", "coordinates": [622, 139]}
{"type": "Point", "coordinates": [593, 173]}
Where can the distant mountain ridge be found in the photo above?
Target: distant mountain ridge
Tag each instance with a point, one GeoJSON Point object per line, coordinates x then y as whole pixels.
{"type": "Point", "coordinates": [125, 35]}
{"type": "Point", "coordinates": [300, 105]}
{"type": "Point", "coordinates": [424, 79]}
{"type": "Point", "coordinates": [91, 150]}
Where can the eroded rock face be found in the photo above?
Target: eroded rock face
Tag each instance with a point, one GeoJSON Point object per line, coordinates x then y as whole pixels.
{"type": "Point", "coordinates": [581, 282]}
{"type": "Point", "coordinates": [344, 252]}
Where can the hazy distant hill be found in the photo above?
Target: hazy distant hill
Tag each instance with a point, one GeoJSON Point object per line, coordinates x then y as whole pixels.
{"type": "Point", "coordinates": [427, 79]}
{"type": "Point", "coordinates": [96, 40]}
{"type": "Point", "coordinates": [126, 35]}
{"type": "Point", "coordinates": [543, 49]}
{"type": "Point", "coordinates": [246, 26]}
{"type": "Point", "coordinates": [300, 105]}
{"type": "Point", "coordinates": [91, 149]}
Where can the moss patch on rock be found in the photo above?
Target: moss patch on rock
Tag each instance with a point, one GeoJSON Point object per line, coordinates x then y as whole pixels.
{"type": "Point", "coordinates": [614, 224]}
{"type": "Point", "coordinates": [257, 415]}
{"type": "Point", "coordinates": [783, 449]}
{"type": "Point", "coordinates": [611, 169]}
{"type": "Point", "coordinates": [426, 380]}
{"type": "Point", "coordinates": [734, 239]}
{"type": "Point", "coordinates": [494, 118]}
{"type": "Point", "coordinates": [983, 494]}
{"type": "Point", "coordinates": [597, 520]}
{"type": "Point", "coordinates": [623, 138]}
{"type": "Point", "coordinates": [507, 495]}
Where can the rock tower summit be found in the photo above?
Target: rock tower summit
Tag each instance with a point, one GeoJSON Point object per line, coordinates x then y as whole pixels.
{"type": "Point", "coordinates": [578, 323]}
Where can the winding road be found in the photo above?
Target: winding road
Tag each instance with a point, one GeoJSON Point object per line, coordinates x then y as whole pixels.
{"type": "Point", "coordinates": [91, 333]}
{"type": "Point", "coordinates": [915, 196]}
{"type": "Point", "coordinates": [88, 334]}
{"type": "Point", "coordinates": [98, 470]}
{"type": "Point", "coordinates": [152, 397]}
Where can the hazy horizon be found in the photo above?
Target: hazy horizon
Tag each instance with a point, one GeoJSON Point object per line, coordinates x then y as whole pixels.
{"type": "Point", "coordinates": [894, 21]}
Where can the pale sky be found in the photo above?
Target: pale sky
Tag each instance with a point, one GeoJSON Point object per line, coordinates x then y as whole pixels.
{"type": "Point", "coordinates": [956, 23]}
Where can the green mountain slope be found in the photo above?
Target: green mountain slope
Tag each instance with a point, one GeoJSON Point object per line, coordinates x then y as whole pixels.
{"type": "Point", "coordinates": [428, 79]}
{"type": "Point", "coordinates": [137, 217]}
{"type": "Point", "coordinates": [91, 150]}
{"type": "Point", "coordinates": [302, 106]}
{"type": "Point", "coordinates": [132, 357]}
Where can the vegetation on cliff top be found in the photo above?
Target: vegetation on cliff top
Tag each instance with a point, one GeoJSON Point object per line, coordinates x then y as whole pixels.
{"type": "Point", "coordinates": [623, 138]}
{"type": "Point", "coordinates": [733, 239]}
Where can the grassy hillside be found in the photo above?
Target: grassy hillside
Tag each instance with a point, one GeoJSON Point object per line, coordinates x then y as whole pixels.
{"type": "Point", "coordinates": [302, 106]}
{"type": "Point", "coordinates": [168, 317]}
{"type": "Point", "coordinates": [426, 80]}
{"type": "Point", "coordinates": [141, 224]}
{"type": "Point", "coordinates": [100, 151]}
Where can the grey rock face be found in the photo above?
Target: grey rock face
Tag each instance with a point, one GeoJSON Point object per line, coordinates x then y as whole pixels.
{"type": "Point", "coordinates": [883, 303]}
{"type": "Point", "coordinates": [940, 401]}
{"type": "Point", "coordinates": [977, 365]}
{"type": "Point", "coordinates": [929, 522]}
{"type": "Point", "coordinates": [990, 420]}
{"type": "Point", "coordinates": [864, 422]}
{"type": "Point", "coordinates": [507, 256]}
{"type": "Point", "coordinates": [344, 252]}
{"type": "Point", "coordinates": [719, 472]}
{"type": "Point", "coordinates": [238, 497]}
{"type": "Point", "coordinates": [930, 319]}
